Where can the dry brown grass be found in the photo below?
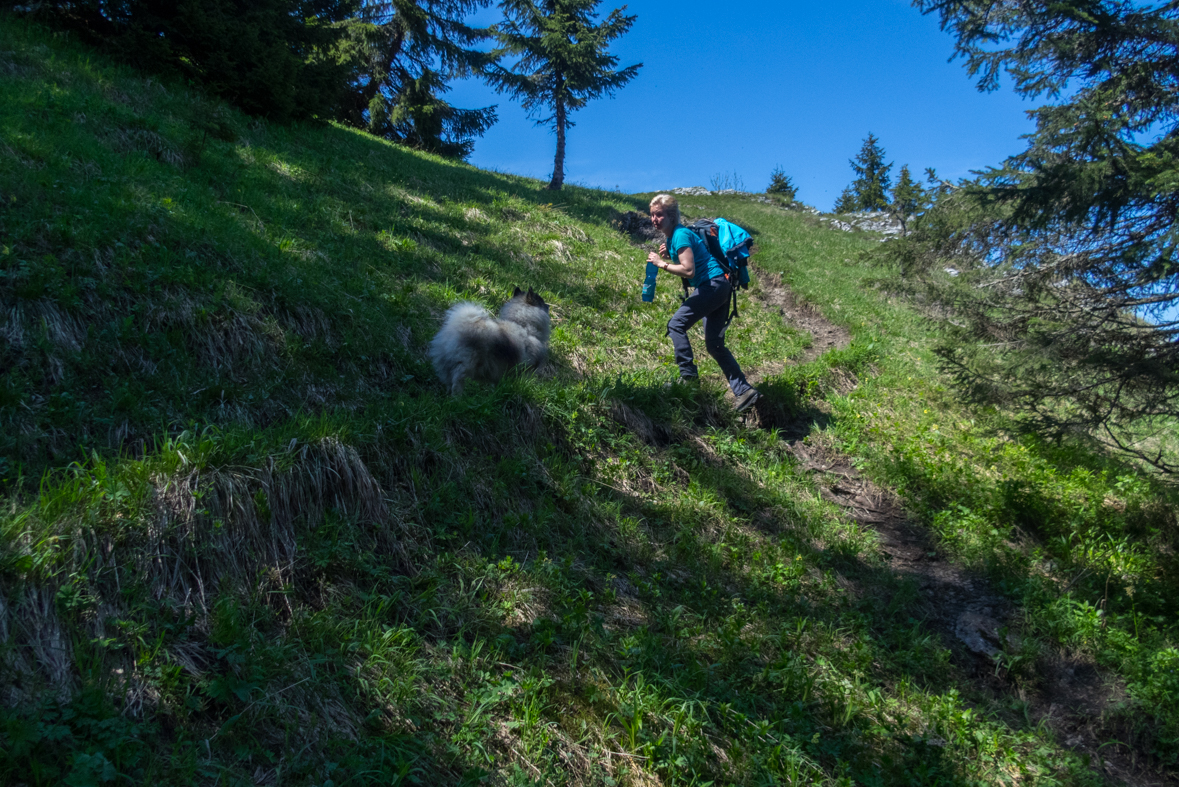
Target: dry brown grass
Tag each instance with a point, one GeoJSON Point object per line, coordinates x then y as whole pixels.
{"type": "Point", "coordinates": [151, 143]}
{"type": "Point", "coordinates": [208, 531]}
{"type": "Point", "coordinates": [35, 652]}
{"type": "Point", "coordinates": [225, 525]}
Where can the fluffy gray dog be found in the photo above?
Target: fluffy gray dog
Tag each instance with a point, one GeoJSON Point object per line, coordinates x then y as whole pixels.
{"type": "Point", "coordinates": [473, 344]}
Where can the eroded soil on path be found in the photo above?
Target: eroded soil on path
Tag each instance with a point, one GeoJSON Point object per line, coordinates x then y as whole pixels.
{"type": "Point", "coordinates": [1074, 699]}
{"type": "Point", "coordinates": [772, 292]}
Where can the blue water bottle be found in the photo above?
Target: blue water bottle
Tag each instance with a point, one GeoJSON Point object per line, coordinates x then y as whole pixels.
{"type": "Point", "coordinates": [649, 283]}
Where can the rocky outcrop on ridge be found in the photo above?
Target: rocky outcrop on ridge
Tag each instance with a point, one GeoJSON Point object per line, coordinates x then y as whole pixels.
{"type": "Point", "coordinates": [869, 221]}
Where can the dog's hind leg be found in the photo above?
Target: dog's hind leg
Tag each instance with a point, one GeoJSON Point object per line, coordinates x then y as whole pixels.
{"type": "Point", "coordinates": [456, 381]}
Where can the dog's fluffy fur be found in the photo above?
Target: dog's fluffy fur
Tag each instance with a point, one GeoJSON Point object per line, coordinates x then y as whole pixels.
{"type": "Point", "coordinates": [474, 345]}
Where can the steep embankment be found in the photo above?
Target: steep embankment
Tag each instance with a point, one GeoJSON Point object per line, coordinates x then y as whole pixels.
{"type": "Point", "coordinates": [246, 538]}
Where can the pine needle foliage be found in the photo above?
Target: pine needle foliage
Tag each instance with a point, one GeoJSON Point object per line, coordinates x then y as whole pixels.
{"type": "Point", "coordinates": [869, 191]}
{"type": "Point", "coordinates": [782, 185]}
{"type": "Point", "coordinates": [908, 198]}
{"type": "Point", "coordinates": [563, 61]}
{"type": "Point", "coordinates": [1074, 239]}
{"type": "Point", "coordinates": [406, 52]}
{"type": "Point", "coordinates": [275, 58]}
{"type": "Point", "coordinates": [846, 203]}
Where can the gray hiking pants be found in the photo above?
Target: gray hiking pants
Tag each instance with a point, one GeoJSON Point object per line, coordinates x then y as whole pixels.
{"type": "Point", "coordinates": [710, 302]}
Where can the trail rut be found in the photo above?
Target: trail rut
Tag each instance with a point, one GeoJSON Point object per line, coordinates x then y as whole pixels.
{"type": "Point", "coordinates": [976, 623]}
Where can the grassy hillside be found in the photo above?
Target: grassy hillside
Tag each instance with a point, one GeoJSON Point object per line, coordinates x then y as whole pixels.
{"type": "Point", "coordinates": [246, 538]}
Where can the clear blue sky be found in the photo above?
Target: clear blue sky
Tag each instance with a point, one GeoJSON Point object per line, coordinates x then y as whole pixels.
{"type": "Point", "coordinates": [745, 86]}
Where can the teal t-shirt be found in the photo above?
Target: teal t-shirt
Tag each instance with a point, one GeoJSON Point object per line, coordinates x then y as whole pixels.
{"type": "Point", "coordinates": [706, 265]}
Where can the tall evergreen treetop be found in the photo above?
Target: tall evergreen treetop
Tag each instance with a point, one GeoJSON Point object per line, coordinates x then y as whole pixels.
{"type": "Point", "coordinates": [781, 185]}
{"type": "Point", "coordinates": [908, 198]}
{"type": "Point", "coordinates": [869, 191]}
{"type": "Point", "coordinates": [563, 61]}
{"type": "Point", "coordinates": [407, 51]}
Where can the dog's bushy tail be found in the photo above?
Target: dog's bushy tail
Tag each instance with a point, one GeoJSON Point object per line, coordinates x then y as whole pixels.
{"type": "Point", "coordinates": [473, 344]}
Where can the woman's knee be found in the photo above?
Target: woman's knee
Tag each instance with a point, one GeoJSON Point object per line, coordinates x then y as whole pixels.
{"type": "Point", "coordinates": [715, 346]}
{"type": "Point", "coordinates": [679, 323]}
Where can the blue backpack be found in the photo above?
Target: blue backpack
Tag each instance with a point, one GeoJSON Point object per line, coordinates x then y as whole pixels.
{"type": "Point", "coordinates": [730, 245]}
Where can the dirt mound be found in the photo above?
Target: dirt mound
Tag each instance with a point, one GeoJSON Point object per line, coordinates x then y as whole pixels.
{"type": "Point", "coordinates": [639, 227]}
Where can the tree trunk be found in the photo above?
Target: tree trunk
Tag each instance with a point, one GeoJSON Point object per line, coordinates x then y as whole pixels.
{"type": "Point", "coordinates": [559, 161]}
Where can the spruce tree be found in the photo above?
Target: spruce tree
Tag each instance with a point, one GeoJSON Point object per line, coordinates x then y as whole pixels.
{"type": "Point", "coordinates": [908, 198]}
{"type": "Point", "coordinates": [406, 52]}
{"type": "Point", "coordinates": [781, 185]}
{"type": "Point", "coordinates": [1072, 312]}
{"type": "Point", "coordinates": [847, 202]}
{"type": "Point", "coordinates": [563, 61]}
{"type": "Point", "coordinates": [869, 191]}
{"type": "Point", "coordinates": [276, 58]}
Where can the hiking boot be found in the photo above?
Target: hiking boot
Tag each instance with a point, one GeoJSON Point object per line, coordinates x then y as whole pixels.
{"type": "Point", "coordinates": [747, 400]}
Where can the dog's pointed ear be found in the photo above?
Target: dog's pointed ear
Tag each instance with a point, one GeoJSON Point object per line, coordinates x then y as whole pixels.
{"type": "Point", "coordinates": [516, 291]}
{"type": "Point", "coordinates": [533, 299]}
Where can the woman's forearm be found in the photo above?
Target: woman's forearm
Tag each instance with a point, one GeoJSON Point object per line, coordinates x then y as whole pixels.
{"type": "Point", "coordinates": [685, 268]}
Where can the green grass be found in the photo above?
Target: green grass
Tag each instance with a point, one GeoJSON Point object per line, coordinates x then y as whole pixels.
{"type": "Point", "coordinates": [245, 535]}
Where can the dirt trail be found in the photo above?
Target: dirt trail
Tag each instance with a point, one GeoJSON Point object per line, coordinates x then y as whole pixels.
{"type": "Point", "coordinates": [825, 335]}
{"type": "Point", "coordinates": [974, 621]}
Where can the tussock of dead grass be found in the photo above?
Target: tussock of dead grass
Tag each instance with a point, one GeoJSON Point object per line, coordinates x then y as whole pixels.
{"type": "Point", "coordinates": [639, 423]}
{"type": "Point", "coordinates": [35, 651]}
{"type": "Point", "coordinates": [28, 319]}
{"type": "Point", "coordinates": [206, 531]}
{"type": "Point", "coordinates": [220, 526]}
{"type": "Point", "coordinates": [151, 143]}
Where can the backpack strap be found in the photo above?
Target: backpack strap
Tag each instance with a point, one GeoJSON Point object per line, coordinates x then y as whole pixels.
{"type": "Point", "coordinates": [707, 231]}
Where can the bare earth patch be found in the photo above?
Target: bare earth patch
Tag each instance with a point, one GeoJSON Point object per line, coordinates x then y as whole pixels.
{"type": "Point", "coordinates": [771, 291]}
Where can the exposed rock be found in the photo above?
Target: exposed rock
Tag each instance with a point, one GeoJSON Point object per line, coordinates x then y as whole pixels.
{"type": "Point", "coordinates": [868, 221]}
{"type": "Point", "coordinates": [979, 632]}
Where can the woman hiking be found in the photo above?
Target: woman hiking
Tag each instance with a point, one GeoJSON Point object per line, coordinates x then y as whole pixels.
{"type": "Point", "coordinates": [689, 258]}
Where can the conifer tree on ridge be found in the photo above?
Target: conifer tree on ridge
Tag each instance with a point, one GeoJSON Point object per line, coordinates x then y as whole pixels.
{"type": "Point", "coordinates": [908, 198]}
{"type": "Point", "coordinates": [869, 191]}
{"type": "Point", "coordinates": [407, 50]}
{"type": "Point", "coordinates": [563, 64]}
{"type": "Point", "coordinates": [781, 184]}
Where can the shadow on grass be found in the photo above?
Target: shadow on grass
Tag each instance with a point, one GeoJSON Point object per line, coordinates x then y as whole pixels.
{"type": "Point", "coordinates": [294, 269]}
{"type": "Point", "coordinates": [677, 611]}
